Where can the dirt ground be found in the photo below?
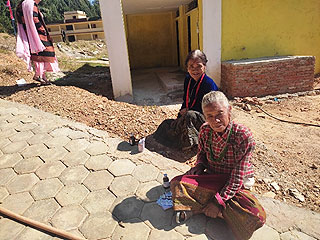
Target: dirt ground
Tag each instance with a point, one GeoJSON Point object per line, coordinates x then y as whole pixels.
{"type": "Point", "coordinates": [287, 156]}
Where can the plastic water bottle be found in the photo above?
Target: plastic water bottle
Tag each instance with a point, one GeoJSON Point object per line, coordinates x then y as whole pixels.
{"type": "Point", "coordinates": [141, 144]}
{"type": "Point", "coordinates": [132, 140]}
{"type": "Point", "coordinates": [166, 182]}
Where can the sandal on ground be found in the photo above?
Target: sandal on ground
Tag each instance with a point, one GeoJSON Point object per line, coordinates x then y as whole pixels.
{"type": "Point", "coordinates": [182, 216]}
{"type": "Point", "coordinates": [39, 79]}
{"type": "Point", "coordinates": [46, 82]}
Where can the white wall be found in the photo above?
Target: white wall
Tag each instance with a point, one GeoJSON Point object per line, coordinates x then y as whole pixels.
{"type": "Point", "coordinates": [212, 37]}
{"type": "Point", "coordinates": [111, 11]}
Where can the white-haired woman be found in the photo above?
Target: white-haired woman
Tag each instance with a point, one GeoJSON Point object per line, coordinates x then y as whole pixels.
{"type": "Point", "coordinates": [219, 183]}
{"type": "Point", "coordinates": [183, 132]}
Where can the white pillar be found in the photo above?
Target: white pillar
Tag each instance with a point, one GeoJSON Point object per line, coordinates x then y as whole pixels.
{"type": "Point", "coordinates": [113, 25]}
{"type": "Point", "coordinates": [212, 37]}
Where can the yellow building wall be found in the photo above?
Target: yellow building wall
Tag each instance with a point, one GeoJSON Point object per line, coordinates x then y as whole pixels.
{"type": "Point", "coordinates": [261, 28]}
{"type": "Point", "coordinates": [151, 40]}
{"type": "Point", "coordinates": [84, 36]}
{"type": "Point", "coordinates": [81, 26]}
{"type": "Point", "coordinates": [183, 32]}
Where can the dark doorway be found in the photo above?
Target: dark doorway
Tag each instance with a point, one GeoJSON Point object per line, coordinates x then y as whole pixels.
{"type": "Point", "coordinates": [71, 38]}
{"type": "Point", "coordinates": [189, 34]}
{"type": "Point", "coordinates": [178, 44]}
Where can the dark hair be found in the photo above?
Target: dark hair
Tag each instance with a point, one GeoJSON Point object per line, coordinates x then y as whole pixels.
{"type": "Point", "coordinates": [195, 55]}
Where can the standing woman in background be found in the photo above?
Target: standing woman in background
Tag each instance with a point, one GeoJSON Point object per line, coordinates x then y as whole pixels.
{"type": "Point", "coordinates": [34, 44]}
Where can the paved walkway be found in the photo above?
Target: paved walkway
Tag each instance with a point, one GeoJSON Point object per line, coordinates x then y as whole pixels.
{"type": "Point", "coordinates": [76, 178]}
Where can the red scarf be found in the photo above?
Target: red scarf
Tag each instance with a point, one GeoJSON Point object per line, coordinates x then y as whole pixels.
{"type": "Point", "coordinates": [195, 97]}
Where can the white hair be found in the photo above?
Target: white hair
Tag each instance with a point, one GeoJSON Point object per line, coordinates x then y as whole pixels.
{"type": "Point", "coordinates": [215, 97]}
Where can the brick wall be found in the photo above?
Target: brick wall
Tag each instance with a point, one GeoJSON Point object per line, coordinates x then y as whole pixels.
{"type": "Point", "coordinates": [267, 76]}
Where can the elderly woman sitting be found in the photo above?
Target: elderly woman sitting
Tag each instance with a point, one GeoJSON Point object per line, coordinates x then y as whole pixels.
{"type": "Point", "coordinates": [183, 132]}
{"type": "Point", "coordinates": [219, 184]}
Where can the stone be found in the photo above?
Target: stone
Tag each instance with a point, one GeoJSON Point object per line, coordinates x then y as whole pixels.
{"type": "Point", "coordinates": [161, 163]}
{"type": "Point", "coordinates": [266, 233]}
{"type": "Point", "coordinates": [61, 131]}
{"type": "Point", "coordinates": [4, 142]}
{"type": "Point", "coordinates": [9, 229]}
{"type": "Point", "coordinates": [163, 234]}
{"type": "Point", "coordinates": [282, 217]}
{"type": "Point", "coordinates": [9, 160]}
{"type": "Point", "coordinates": [34, 150]}
{"type": "Point", "coordinates": [124, 186]}
{"type": "Point", "coordinates": [46, 188]}
{"type": "Point", "coordinates": [58, 141]}
{"type": "Point", "coordinates": [14, 147]}
{"type": "Point", "coordinates": [42, 210]}
{"type": "Point", "coordinates": [50, 170]}
{"type": "Point", "coordinates": [218, 229]}
{"type": "Point", "coordinates": [199, 237]}
{"type": "Point", "coordinates": [98, 162]}
{"type": "Point", "coordinates": [98, 201]}
{"type": "Point", "coordinates": [32, 233]}
{"type": "Point", "coordinates": [149, 191]}
{"type": "Point", "coordinates": [97, 148]}
{"type": "Point", "coordinates": [28, 165]}
{"type": "Point", "coordinates": [74, 175]}
{"type": "Point", "coordinates": [125, 208]}
{"type": "Point", "coordinates": [43, 128]}
{"type": "Point", "coordinates": [77, 145]}
{"type": "Point", "coordinates": [6, 175]}
{"type": "Point", "coordinates": [39, 138]}
{"type": "Point", "coordinates": [266, 180]}
{"type": "Point", "coordinates": [140, 171]}
{"type": "Point", "coordinates": [132, 230]}
{"type": "Point", "coordinates": [153, 214]}
{"type": "Point", "coordinates": [7, 133]}
{"type": "Point", "coordinates": [98, 226]}
{"type": "Point", "coordinates": [275, 186]}
{"type": "Point", "coordinates": [53, 154]}
{"type": "Point", "coordinates": [22, 183]}
{"type": "Point", "coordinates": [77, 135]}
{"type": "Point", "coordinates": [121, 167]}
{"type": "Point", "coordinates": [3, 194]}
{"type": "Point", "coordinates": [75, 158]}
{"type": "Point", "coordinates": [25, 127]}
{"type": "Point", "coordinates": [98, 180]}
{"type": "Point", "coordinates": [269, 194]}
{"type": "Point", "coordinates": [295, 193]}
{"type": "Point", "coordinates": [73, 194]}
{"type": "Point", "coordinates": [21, 136]}
{"type": "Point", "coordinates": [18, 203]}
{"type": "Point", "coordinates": [69, 217]}
{"type": "Point", "coordinates": [193, 226]}
{"type": "Point", "coordinates": [295, 235]}
{"type": "Point", "coordinates": [247, 107]}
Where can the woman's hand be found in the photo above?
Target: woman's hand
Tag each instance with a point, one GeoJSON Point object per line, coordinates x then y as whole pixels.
{"type": "Point", "coordinates": [197, 170]}
{"type": "Point", "coordinates": [183, 111]}
{"type": "Point", "coordinates": [212, 210]}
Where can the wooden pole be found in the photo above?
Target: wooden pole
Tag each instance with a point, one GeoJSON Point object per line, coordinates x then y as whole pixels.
{"type": "Point", "coordinates": [42, 226]}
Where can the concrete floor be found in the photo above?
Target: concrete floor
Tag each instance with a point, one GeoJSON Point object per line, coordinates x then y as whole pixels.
{"type": "Point", "coordinates": [157, 86]}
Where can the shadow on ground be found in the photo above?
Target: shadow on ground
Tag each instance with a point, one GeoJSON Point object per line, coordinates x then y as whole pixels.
{"type": "Point", "coordinates": [6, 91]}
{"type": "Point", "coordinates": [133, 210]}
{"type": "Point", "coordinates": [95, 79]}
{"type": "Point", "coordinates": [187, 156]}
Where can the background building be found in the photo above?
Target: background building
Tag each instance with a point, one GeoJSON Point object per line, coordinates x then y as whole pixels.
{"type": "Point", "coordinates": [76, 27]}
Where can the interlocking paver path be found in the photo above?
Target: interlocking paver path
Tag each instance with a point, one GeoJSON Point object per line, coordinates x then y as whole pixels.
{"type": "Point", "coordinates": [78, 179]}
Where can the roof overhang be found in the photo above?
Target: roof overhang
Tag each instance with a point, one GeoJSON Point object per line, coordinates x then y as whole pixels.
{"type": "Point", "coordinates": [151, 6]}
